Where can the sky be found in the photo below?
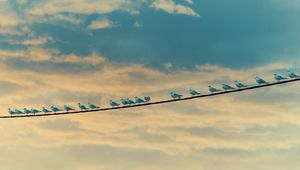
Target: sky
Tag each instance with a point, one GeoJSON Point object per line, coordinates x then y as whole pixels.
{"type": "Point", "coordinates": [56, 52]}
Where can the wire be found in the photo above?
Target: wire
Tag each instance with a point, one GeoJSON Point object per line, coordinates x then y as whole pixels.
{"type": "Point", "coordinates": [152, 103]}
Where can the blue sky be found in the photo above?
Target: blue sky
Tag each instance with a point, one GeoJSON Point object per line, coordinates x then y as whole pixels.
{"type": "Point", "coordinates": [63, 51]}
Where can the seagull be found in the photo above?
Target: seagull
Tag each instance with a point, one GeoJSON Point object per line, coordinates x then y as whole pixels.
{"type": "Point", "coordinates": [212, 89]}
{"type": "Point", "coordinates": [18, 111]}
{"type": "Point", "coordinates": [292, 74]}
{"type": "Point", "coordinates": [11, 111]}
{"type": "Point", "coordinates": [138, 100]}
{"type": "Point", "coordinates": [45, 110]}
{"type": "Point", "coordinates": [124, 102]}
{"type": "Point", "coordinates": [55, 109]}
{"type": "Point", "coordinates": [147, 98]}
{"type": "Point", "coordinates": [129, 101]}
{"type": "Point", "coordinates": [34, 111]}
{"type": "Point", "coordinates": [260, 81]}
{"type": "Point", "coordinates": [279, 77]}
{"type": "Point", "coordinates": [26, 111]}
{"type": "Point", "coordinates": [175, 95]}
{"type": "Point", "coordinates": [113, 104]}
{"type": "Point", "coordinates": [68, 108]}
{"type": "Point", "coordinates": [194, 92]}
{"type": "Point", "coordinates": [92, 106]}
{"type": "Point", "coordinates": [238, 84]}
{"type": "Point", "coordinates": [81, 106]}
{"type": "Point", "coordinates": [227, 87]}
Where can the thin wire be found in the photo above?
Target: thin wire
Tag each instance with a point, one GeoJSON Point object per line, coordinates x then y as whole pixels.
{"type": "Point", "coordinates": [151, 103]}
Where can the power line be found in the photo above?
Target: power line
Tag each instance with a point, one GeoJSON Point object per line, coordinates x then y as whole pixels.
{"type": "Point", "coordinates": [152, 103]}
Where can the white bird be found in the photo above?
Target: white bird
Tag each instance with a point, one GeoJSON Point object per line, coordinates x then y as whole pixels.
{"type": "Point", "coordinates": [124, 102]}
{"type": "Point", "coordinates": [279, 77]}
{"type": "Point", "coordinates": [34, 111]}
{"type": "Point", "coordinates": [227, 87]}
{"type": "Point", "coordinates": [147, 98]}
{"type": "Point", "coordinates": [81, 106]}
{"type": "Point", "coordinates": [11, 111]}
{"type": "Point", "coordinates": [55, 109]}
{"type": "Point", "coordinates": [129, 101]}
{"type": "Point", "coordinates": [260, 81]}
{"type": "Point", "coordinates": [45, 110]}
{"type": "Point", "coordinates": [26, 111]}
{"type": "Point", "coordinates": [292, 74]}
{"type": "Point", "coordinates": [212, 89]}
{"type": "Point", "coordinates": [68, 108]}
{"type": "Point", "coordinates": [239, 84]}
{"type": "Point", "coordinates": [138, 100]}
{"type": "Point", "coordinates": [18, 111]}
{"type": "Point", "coordinates": [194, 92]}
{"type": "Point", "coordinates": [92, 106]}
{"type": "Point", "coordinates": [113, 104]}
{"type": "Point", "coordinates": [175, 95]}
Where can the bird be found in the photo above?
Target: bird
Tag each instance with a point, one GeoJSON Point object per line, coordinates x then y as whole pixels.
{"type": "Point", "coordinates": [279, 77]}
{"type": "Point", "coordinates": [113, 104]}
{"type": "Point", "coordinates": [10, 111]}
{"type": "Point", "coordinates": [239, 84]}
{"type": "Point", "coordinates": [68, 108]}
{"type": "Point", "coordinates": [18, 111]}
{"type": "Point", "coordinates": [212, 89]}
{"type": "Point", "coordinates": [26, 111]}
{"type": "Point", "coordinates": [175, 95]}
{"type": "Point", "coordinates": [124, 102]}
{"type": "Point", "coordinates": [129, 101]}
{"type": "Point", "coordinates": [45, 110]}
{"type": "Point", "coordinates": [55, 109]}
{"type": "Point", "coordinates": [34, 111]}
{"type": "Point", "coordinates": [194, 92]}
{"type": "Point", "coordinates": [138, 100]}
{"type": "Point", "coordinates": [92, 106]}
{"type": "Point", "coordinates": [292, 74]}
{"type": "Point", "coordinates": [260, 81]}
{"type": "Point", "coordinates": [227, 87]}
{"type": "Point", "coordinates": [81, 106]}
{"type": "Point", "coordinates": [147, 98]}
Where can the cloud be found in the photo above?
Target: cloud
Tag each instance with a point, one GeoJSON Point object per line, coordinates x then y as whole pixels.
{"type": "Point", "coordinates": [171, 7]}
{"type": "Point", "coordinates": [102, 23]}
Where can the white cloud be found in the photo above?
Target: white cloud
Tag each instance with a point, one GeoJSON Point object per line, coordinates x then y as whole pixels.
{"type": "Point", "coordinates": [102, 23]}
{"type": "Point", "coordinates": [171, 7]}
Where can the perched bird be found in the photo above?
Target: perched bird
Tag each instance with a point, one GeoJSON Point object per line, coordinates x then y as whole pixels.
{"type": "Point", "coordinates": [124, 102]}
{"type": "Point", "coordinates": [81, 106]}
{"type": "Point", "coordinates": [129, 101]}
{"type": "Point", "coordinates": [113, 104]}
{"type": "Point", "coordinates": [279, 77]}
{"type": "Point", "coordinates": [227, 87]}
{"type": "Point", "coordinates": [260, 81]}
{"type": "Point", "coordinates": [45, 110]}
{"type": "Point", "coordinates": [11, 111]}
{"type": "Point", "coordinates": [194, 92]}
{"type": "Point", "coordinates": [212, 89]}
{"type": "Point", "coordinates": [147, 98]}
{"type": "Point", "coordinates": [18, 111]}
{"type": "Point", "coordinates": [55, 109]}
{"type": "Point", "coordinates": [34, 111]}
{"type": "Point", "coordinates": [239, 84]}
{"type": "Point", "coordinates": [68, 108]}
{"type": "Point", "coordinates": [26, 111]}
{"type": "Point", "coordinates": [138, 100]}
{"type": "Point", "coordinates": [175, 95]}
{"type": "Point", "coordinates": [92, 106]}
{"type": "Point", "coordinates": [292, 74]}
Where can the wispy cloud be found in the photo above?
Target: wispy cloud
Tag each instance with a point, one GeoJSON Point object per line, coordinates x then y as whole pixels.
{"type": "Point", "coordinates": [171, 7]}
{"type": "Point", "coordinates": [102, 23]}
